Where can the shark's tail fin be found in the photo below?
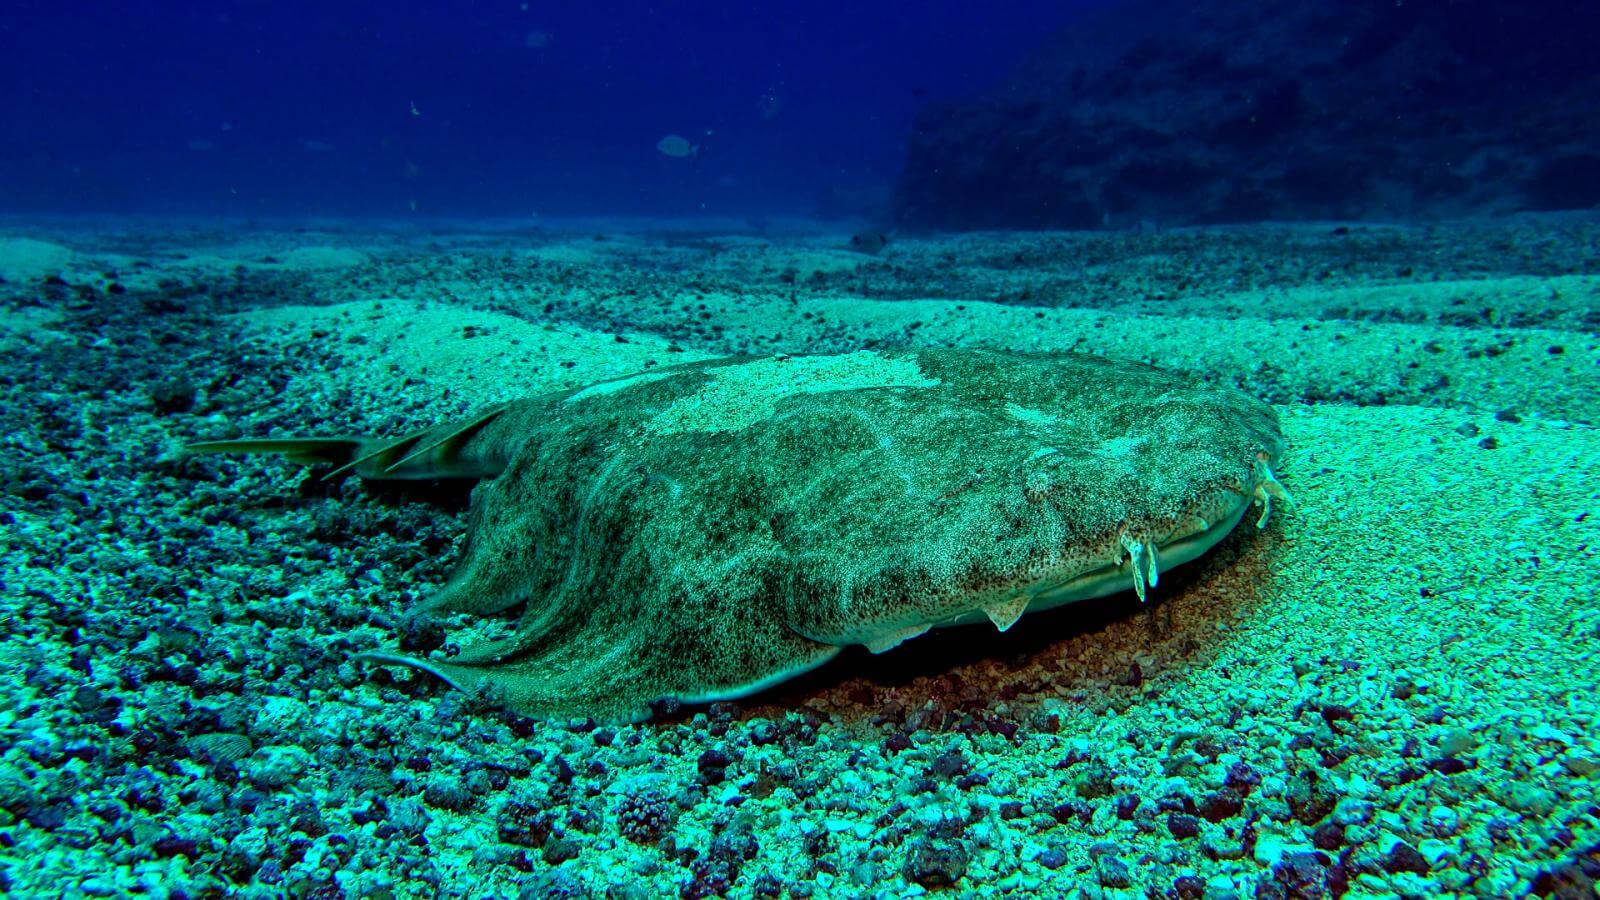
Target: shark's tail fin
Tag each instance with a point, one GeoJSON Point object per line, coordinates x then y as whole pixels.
{"type": "Point", "coordinates": [309, 451]}
{"type": "Point", "coordinates": [438, 452]}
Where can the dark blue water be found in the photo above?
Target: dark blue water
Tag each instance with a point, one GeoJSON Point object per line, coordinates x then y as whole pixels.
{"type": "Point", "coordinates": [369, 108]}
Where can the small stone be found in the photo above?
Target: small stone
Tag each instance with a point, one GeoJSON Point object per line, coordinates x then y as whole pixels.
{"type": "Point", "coordinates": [175, 395]}
{"type": "Point", "coordinates": [935, 863]}
{"type": "Point", "coordinates": [560, 850]}
{"type": "Point", "coordinates": [1183, 826]}
{"type": "Point", "coordinates": [1457, 741]}
{"type": "Point", "coordinates": [419, 634]}
{"type": "Point", "coordinates": [1336, 712]}
{"type": "Point", "coordinates": [1113, 872]}
{"type": "Point", "coordinates": [1310, 799]}
{"type": "Point", "coordinates": [524, 823]}
{"type": "Point", "coordinates": [446, 793]}
{"type": "Point", "coordinates": [1095, 782]}
{"type": "Point", "coordinates": [1403, 857]}
{"type": "Point", "coordinates": [1221, 805]}
{"type": "Point", "coordinates": [713, 765]}
{"type": "Point", "coordinates": [950, 765]}
{"type": "Point", "coordinates": [1302, 874]}
{"type": "Point", "coordinates": [1052, 859]}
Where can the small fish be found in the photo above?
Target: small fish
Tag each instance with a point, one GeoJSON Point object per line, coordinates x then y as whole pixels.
{"type": "Point", "coordinates": [869, 241]}
{"type": "Point", "coordinates": [677, 146]}
{"type": "Point", "coordinates": [770, 104]}
{"type": "Point", "coordinates": [538, 40]}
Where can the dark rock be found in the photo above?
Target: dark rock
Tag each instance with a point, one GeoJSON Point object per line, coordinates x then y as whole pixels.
{"type": "Point", "coordinates": [1328, 836]}
{"type": "Point", "coordinates": [1127, 806]}
{"type": "Point", "coordinates": [1336, 712]}
{"type": "Point", "coordinates": [733, 848]}
{"type": "Point", "coordinates": [447, 793]}
{"type": "Point", "coordinates": [935, 862]}
{"type": "Point", "coordinates": [170, 845]}
{"type": "Point", "coordinates": [1052, 859]}
{"type": "Point", "coordinates": [1183, 826]}
{"type": "Point", "coordinates": [524, 824]}
{"type": "Point", "coordinates": [1310, 798]}
{"type": "Point", "coordinates": [1242, 778]}
{"type": "Point", "coordinates": [420, 634]}
{"type": "Point", "coordinates": [1403, 857]}
{"type": "Point", "coordinates": [1182, 112]}
{"type": "Point", "coordinates": [644, 817]}
{"type": "Point", "coordinates": [1094, 782]}
{"type": "Point", "coordinates": [765, 733]}
{"type": "Point", "coordinates": [1221, 805]}
{"type": "Point", "coordinates": [1302, 875]}
{"type": "Point", "coordinates": [174, 395]}
{"type": "Point", "coordinates": [713, 765]}
{"type": "Point", "coordinates": [950, 765]}
{"type": "Point", "coordinates": [767, 886]}
{"type": "Point", "coordinates": [1113, 872]}
{"type": "Point", "coordinates": [560, 850]}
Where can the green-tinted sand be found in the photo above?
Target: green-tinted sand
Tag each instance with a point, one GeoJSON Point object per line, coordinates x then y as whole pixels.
{"type": "Point", "coordinates": [1399, 674]}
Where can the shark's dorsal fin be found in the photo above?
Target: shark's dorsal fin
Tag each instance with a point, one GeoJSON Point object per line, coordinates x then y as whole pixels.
{"type": "Point", "coordinates": [453, 439]}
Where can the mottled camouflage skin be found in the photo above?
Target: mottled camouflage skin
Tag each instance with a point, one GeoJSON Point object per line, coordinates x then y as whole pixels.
{"type": "Point", "coordinates": [709, 557]}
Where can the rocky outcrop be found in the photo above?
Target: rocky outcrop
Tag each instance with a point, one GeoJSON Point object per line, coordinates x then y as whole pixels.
{"type": "Point", "coordinates": [1168, 112]}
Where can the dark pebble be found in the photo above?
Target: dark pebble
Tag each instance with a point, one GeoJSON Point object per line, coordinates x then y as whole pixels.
{"type": "Point", "coordinates": [1052, 859]}
{"type": "Point", "coordinates": [446, 793]}
{"type": "Point", "coordinates": [764, 733]}
{"type": "Point", "coordinates": [1302, 874]}
{"type": "Point", "coordinates": [1310, 798]}
{"type": "Point", "coordinates": [1183, 826]}
{"type": "Point", "coordinates": [560, 850]}
{"type": "Point", "coordinates": [421, 635]}
{"type": "Point", "coordinates": [713, 765]}
{"type": "Point", "coordinates": [1113, 873]}
{"type": "Point", "coordinates": [1127, 806]}
{"type": "Point", "coordinates": [174, 395]}
{"type": "Point", "coordinates": [949, 765]}
{"type": "Point", "coordinates": [171, 845]}
{"type": "Point", "coordinates": [1328, 836]}
{"type": "Point", "coordinates": [936, 863]}
{"type": "Point", "coordinates": [1221, 805]}
{"type": "Point", "coordinates": [1242, 778]}
{"type": "Point", "coordinates": [1403, 857]}
{"type": "Point", "coordinates": [1336, 712]}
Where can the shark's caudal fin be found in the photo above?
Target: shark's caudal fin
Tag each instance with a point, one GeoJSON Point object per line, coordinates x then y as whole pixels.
{"type": "Point", "coordinates": [431, 453]}
{"type": "Point", "coordinates": [310, 451]}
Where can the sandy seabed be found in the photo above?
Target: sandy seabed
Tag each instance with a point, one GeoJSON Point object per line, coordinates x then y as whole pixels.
{"type": "Point", "coordinates": [1391, 689]}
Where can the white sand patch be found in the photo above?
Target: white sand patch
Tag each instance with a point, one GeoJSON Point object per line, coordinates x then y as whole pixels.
{"type": "Point", "coordinates": [424, 353]}
{"type": "Point", "coordinates": [26, 259]}
{"type": "Point", "coordinates": [34, 324]}
{"type": "Point", "coordinates": [570, 254]}
{"type": "Point", "coordinates": [322, 258]}
{"type": "Point", "coordinates": [741, 395]}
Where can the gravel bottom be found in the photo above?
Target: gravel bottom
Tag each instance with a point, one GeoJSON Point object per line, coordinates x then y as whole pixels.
{"type": "Point", "coordinates": [1391, 689]}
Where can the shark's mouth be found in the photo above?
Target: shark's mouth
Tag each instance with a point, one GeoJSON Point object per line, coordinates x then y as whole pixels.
{"type": "Point", "coordinates": [1139, 564]}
